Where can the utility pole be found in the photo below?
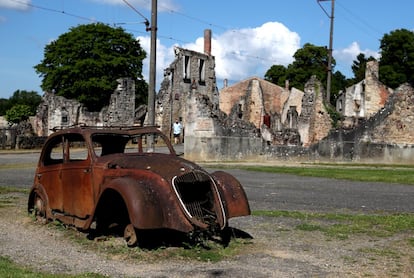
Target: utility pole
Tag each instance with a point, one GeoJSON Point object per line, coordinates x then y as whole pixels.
{"type": "Point", "coordinates": [152, 64]}
{"type": "Point", "coordinates": [329, 77]}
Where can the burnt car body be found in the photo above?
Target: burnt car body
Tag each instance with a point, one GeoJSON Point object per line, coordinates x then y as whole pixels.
{"type": "Point", "coordinates": [94, 178]}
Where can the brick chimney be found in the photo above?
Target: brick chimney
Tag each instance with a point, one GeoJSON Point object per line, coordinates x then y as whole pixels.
{"type": "Point", "coordinates": [207, 42]}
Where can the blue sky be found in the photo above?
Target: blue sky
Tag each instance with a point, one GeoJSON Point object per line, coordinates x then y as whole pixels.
{"type": "Point", "coordinates": [248, 36]}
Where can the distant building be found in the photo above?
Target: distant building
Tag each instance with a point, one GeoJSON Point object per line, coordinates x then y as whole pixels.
{"type": "Point", "coordinates": [364, 99]}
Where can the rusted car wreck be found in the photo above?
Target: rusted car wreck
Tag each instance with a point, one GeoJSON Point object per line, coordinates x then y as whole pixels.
{"type": "Point", "coordinates": [131, 178]}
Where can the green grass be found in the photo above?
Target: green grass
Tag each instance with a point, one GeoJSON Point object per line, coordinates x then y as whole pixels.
{"type": "Point", "coordinates": [205, 251]}
{"type": "Point", "coordinates": [403, 174]}
{"type": "Point", "coordinates": [8, 269]}
{"type": "Point", "coordinates": [342, 226]}
{"type": "Point", "coordinates": [7, 189]}
{"type": "Point", "coordinates": [7, 199]}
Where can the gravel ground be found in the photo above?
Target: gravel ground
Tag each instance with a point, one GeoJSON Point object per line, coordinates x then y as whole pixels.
{"type": "Point", "coordinates": [276, 250]}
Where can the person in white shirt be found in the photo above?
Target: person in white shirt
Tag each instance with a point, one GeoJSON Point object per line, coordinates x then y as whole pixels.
{"type": "Point", "coordinates": [177, 127]}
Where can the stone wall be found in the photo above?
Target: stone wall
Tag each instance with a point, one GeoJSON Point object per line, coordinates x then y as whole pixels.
{"type": "Point", "coordinates": [364, 99]}
{"type": "Point", "coordinates": [387, 137]}
{"type": "Point", "coordinates": [190, 72]}
{"type": "Point", "coordinates": [58, 112]}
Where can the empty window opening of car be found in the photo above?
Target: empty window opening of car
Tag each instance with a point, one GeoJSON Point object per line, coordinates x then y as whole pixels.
{"type": "Point", "coordinates": [66, 148]}
{"type": "Point", "coordinates": [110, 143]}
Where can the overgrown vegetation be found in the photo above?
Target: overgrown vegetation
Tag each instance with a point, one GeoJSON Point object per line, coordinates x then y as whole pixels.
{"type": "Point", "coordinates": [342, 226]}
{"type": "Point", "coordinates": [8, 269]}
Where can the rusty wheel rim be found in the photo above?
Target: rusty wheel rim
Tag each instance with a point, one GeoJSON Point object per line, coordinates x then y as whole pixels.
{"type": "Point", "coordinates": [130, 235]}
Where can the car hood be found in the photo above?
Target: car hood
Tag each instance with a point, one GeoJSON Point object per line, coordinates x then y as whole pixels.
{"type": "Point", "coordinates": [165, 165]}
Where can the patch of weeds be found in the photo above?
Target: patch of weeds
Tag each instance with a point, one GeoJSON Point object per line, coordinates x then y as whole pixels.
{"type": "Point", "coordinates": [411, 241]}
{"type": "Point", "coordinates": [309, 227]}
{"type": "Point", "coordinates": [7, 189]}
{"type": "Point", "coordinates": [350, 260]}
{"type": "Point", "coordinates": [342, 226]}
{"type": "Point", "coordinates": [7, 201]}
{"type": "Point", "coordinates": [381, 252]}
{"type": "Point", "coordinates": [209, 251]}
{"type": "Point", "coordinates": [115, 247]}
{"type": "Point", "coordinates": [10, 269]}
{"type": "Point", "coordinates": [8, 197]}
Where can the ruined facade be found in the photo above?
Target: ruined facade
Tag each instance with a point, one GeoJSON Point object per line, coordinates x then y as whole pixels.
{"type": "Point", "coordinates": [387, 136]}
{"type": "Point", "coordinates": [58, 112]}
{"type": "Point", "coordinates": [364, 99]}
{"type": "Point", "coordinates": [285, 117]}
{"type": "Point", "coordinates": [191, 72]}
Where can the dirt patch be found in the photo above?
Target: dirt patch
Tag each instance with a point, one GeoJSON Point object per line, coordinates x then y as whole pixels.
{"type": "Point", "coordinates": [277, 249]}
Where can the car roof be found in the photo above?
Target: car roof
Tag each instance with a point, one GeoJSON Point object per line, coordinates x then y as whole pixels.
{"type": "Point", "coordinates": [88, 130]}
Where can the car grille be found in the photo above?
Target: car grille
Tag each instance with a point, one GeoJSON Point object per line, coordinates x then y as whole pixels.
{"type": "Point", "coordinates": [195, 192]}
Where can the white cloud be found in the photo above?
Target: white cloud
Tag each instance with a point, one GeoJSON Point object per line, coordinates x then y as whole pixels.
{"type": "Point", "coordinates": [251, 51]}
{"type": "Point", "coordinates": [346, 56]}
{"type": "Point", "coordinates": [165, 57]}
{"type": "Point", "coordinates": [17, 5]}
{"type": "Point", "coordinates": [239, 54]}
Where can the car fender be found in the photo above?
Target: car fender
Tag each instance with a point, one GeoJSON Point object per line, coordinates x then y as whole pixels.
{"type": "Point", "coordinates": [150, 202]}
{"type": "Point", "coordinates": [233, 195]}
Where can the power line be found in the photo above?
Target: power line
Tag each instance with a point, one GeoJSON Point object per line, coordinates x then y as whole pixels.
{"type": "Point", "coordinates": [171, 38]}
{"type": "Point", "coordinates": [359, 19]}
{"type": "Point", "coordinates": [146, 22]}
{"type": "Point", "coordinates": [52, 10]}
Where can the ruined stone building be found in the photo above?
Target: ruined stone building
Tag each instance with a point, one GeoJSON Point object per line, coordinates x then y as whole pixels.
{"type": "Point", "coordinates": [285, 117]}
{"type": "Point", "coordinates": [255, 119]}
{"type": "Point", "coordinates": [364, 99]}
{"type": "Point", "coordinates": [58, 112]}
{"type": "Point", "coordinates": [237, 120]}
{"type": "Point", "coordinates": [190, 73]}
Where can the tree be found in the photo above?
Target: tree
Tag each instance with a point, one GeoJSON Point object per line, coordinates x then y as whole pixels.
{"type": "Point", "coordinates": [4, 106]}
{"type": "Point", "coordinates": [29, 98]}
{"type": "Point", "coordinates": [85, 63]}
{"type": "Point", "coordinates": [396, 65]}
{"type": "Point", "coordinates": [309, 60]}
{"type": "Point", "coordinates": [18, 113]}
{"type": "Point", "coordinates": [276, 74]}
{"type": "Point", "coordinates": [359, 67]}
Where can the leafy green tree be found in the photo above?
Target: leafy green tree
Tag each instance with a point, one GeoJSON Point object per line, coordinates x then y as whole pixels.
{"type": "Point", "coordinates": [276, 74]}
{"type": "Point", "coordinates": [85, 63]}
{"type": "Point", "coordinates": [359, 66]}
{"type": "Point", "coordinates": [29, 98]}
{"type": "Point", "coordinates": [18, 113]}
{"type": "Point", "coordinates": [309, 60]}
{"type": "Point", "coordinates": [396, 65]}
{"type": "Point", "coordinates": [4, 106]}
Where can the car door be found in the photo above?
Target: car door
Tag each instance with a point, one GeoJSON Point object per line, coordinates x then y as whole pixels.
{"type": "Point", "coordinates": [48, 174]}
{"type": "Point", "coordinates": [76, 178]}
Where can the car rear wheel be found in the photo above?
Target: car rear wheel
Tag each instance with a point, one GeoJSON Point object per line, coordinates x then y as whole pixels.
{"type": "Point", "coordinates": [130, 235]}
{"type": "Point", "coordinates": [39, 209]}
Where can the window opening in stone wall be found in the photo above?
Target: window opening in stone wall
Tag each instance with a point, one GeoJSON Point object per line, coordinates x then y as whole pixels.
{"type": "Point", "coordinates": [64, 117]}
{"type": "Point", "coordinates": [186, 69]}
{"type": "Point", "coordinates": [201, 72]}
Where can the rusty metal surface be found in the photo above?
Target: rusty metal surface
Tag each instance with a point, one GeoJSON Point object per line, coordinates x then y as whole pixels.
{"type": "Point", "coordinates": [88, 175]}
